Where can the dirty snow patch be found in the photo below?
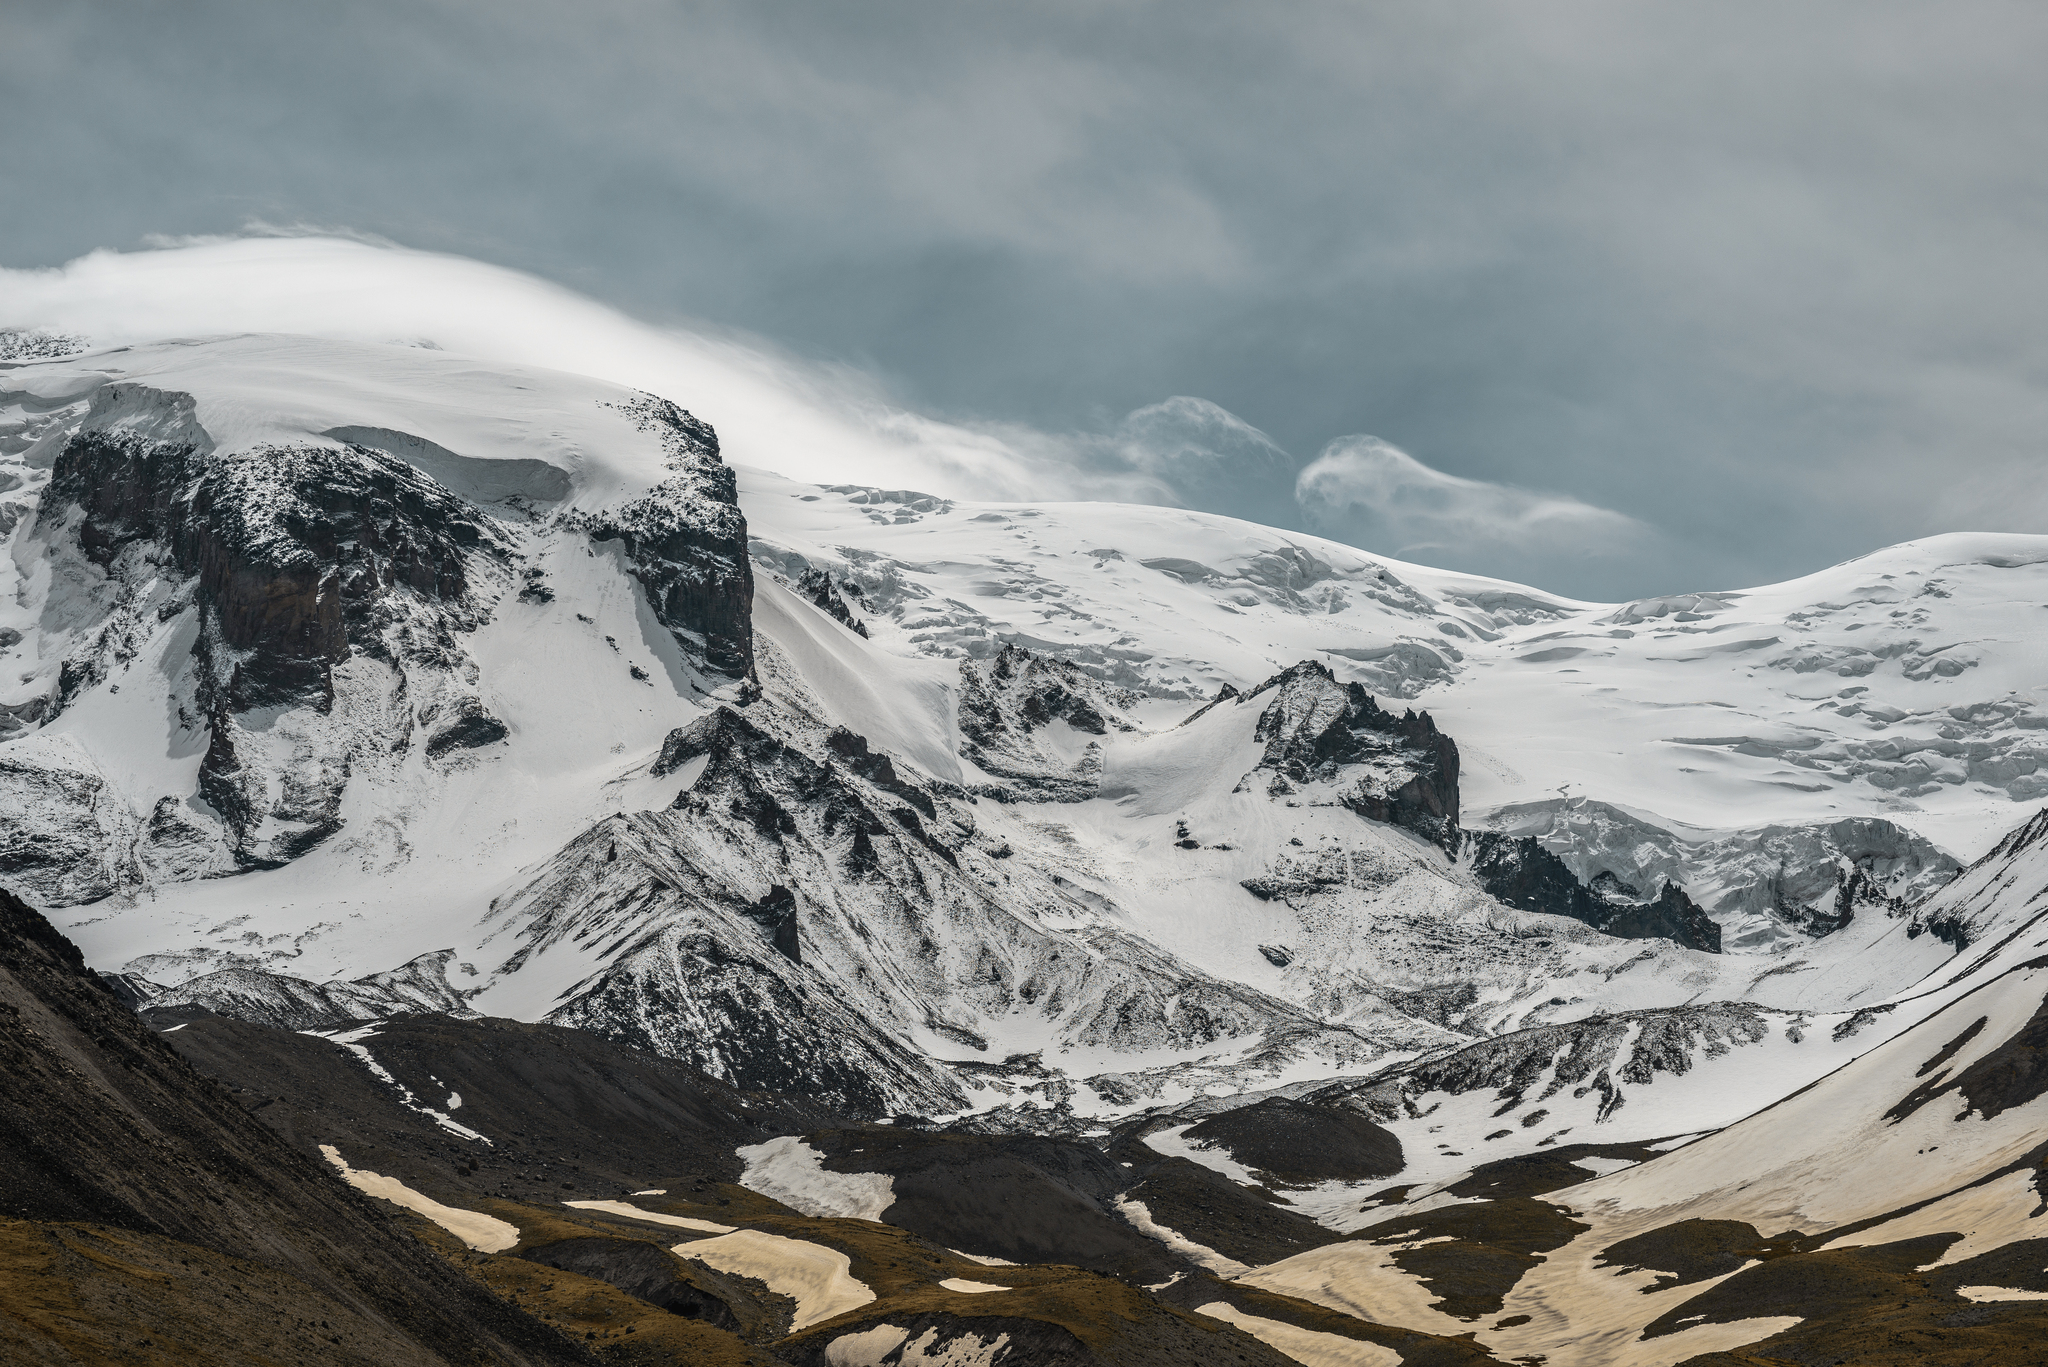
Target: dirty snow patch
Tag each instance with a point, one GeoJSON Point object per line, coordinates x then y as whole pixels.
{"type": "Point", "coordinates": [653, 1217]}
{"type": "Point", "coordinates": [1999, 1293]}
{"type": "Point", "coordinates": [792, 1172]}
{"type": "Point", "coordinates": [1311, 1347]}
{"type": "Point", "coordinates": [1603, 1166]}
{"type": "Point", "coordinates": [967, 1288]}
{"type": "Point", "coordinates": [879, 1346]}
{"type": "Point", "coordinates": [484, 1233]}
{"type": "Point", "coordinates": [1141, 1220]}
{"type": "Point", "coordinates": [819, 1279]}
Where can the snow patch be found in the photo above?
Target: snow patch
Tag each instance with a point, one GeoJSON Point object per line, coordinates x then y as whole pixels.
{"type": "Point", "coordinates": [652, 1217]}
{"type": "Point", "coordinates": [1310, 1347]}
{"type": "Point", "coordinates": [878, 1347]}
{"type": "Point", "coordinates": [484, 1233]}
{"type": "Point", "coordinates": [792, 1172]}
{"type": "Point", "coordinates": [819, 1279]}
{"type": "Point", "coordinates": [1141, 1220]}
{"type": "Point", "coordinates": [1603, 1166]}
{"type": "Point", "coordinates": [1999, 1293]}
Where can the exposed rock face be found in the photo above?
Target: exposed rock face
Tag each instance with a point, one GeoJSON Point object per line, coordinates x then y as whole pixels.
{"type": "Point", "coordinates": [1606, 1055]}
{"type": "Point", "coordinates": [817, 585]}
{"type": "Point", "coordinates": [323, 595]}
{"type": "Point", "coordinates": [686, 541]}
{"type": "Point", "coordinates": [1525, 875]}
{"type": "Point", "coordinates": [807, 907]}
{"type": "Point", "coordinates": [290, 1003]}
{"type": "Point", "coordinates": [293, 560]}
{"type": "Point", "coordinates": [1024, 1198]}
{"type": "Point", "coordinates": [1314, 727]}
{"type": "Point", "coordinates": [1006, 709]}
{"type": "Point", "coordinates": [296, 550]}
{"type": "Point", "coordinates": [1671, 916]}
{"type": "Point", "coordinates": [58, 839]}
{"type": "Point", "coordinates": [1764, 885]}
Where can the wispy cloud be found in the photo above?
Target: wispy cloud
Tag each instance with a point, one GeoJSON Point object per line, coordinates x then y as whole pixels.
{"type": "Point", "coordinates": [812, 421]}
{"type": "Point", "coordinates": [1365, 491]}
{"type": "Point", "coordinates": [809, 421]}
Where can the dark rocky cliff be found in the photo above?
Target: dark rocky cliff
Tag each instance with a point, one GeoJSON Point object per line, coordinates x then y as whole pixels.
{"type": "Point", "coordinates": [1313, 727]}
{"type": "Point", "coordinates": [1525, 875]}
{"type": "Point", "coordinates": [297, 558]}
{"type": "Point", "coordinates": [686, 540]}
{"type": "Point", "coordinates": [295, 549]}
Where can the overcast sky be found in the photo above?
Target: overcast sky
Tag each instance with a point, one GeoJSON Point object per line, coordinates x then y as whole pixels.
{"type": "Point", "coordinates": [1614, 298]}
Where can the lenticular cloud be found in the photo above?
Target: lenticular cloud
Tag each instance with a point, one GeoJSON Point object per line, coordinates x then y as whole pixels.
{"type": "Point", "coordinates": [1370, 493]}
{"type": "Point", "coordinates": [809, 422]}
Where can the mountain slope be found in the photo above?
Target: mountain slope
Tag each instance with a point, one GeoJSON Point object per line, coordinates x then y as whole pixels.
{"type": "Point", "coordinates": [136, 1193]}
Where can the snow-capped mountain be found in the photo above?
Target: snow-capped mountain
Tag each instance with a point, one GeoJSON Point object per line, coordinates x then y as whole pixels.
{"type": "Point", "coordinates": [1305, 926]}
{"type": "Point", "coordinates": [334, 656]}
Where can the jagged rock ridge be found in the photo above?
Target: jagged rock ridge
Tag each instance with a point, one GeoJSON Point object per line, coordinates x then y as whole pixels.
{"type": "Point", "coordinates": [1313, 726]}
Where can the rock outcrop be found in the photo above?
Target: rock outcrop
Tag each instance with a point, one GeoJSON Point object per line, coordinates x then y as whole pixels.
{"type": "Point", "coordinates": [1528, 877]}
{"type": "Point", "coordinates": [1007, 709]}
{"type": "Point", "coordinates": [831, 598]}
{"type": "Point", "coordinates": [1315, 729]}
{"type": "Point", "coordinates": [686, 541]}
{"type": "Point", "coordinates": [1766, 886]}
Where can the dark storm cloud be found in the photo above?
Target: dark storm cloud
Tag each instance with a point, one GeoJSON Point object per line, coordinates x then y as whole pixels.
{"type": "Point", "coordinates": [1764, 279]}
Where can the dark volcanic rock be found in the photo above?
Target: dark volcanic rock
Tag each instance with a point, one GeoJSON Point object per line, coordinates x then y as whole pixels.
{"type": "Point", "coordinates": [101, 1123]}
{"type": "Point", "coordinates": [1471, 1255]}
{"type": "Point", "coordinates": [1689, 1251]}
{"type": "Point", "coordinates": [777, 914]}
{"type": "Point", "coordinates": [1528, 877]}
{"type": "Point", "coordinates": [1304, 1144]}
{"type": "Point", "coordinates": [295, 558]}
{"type": "Point", "coordinates": [817, 586]}
{"type": "Point", "coordinates": [295, 548]}
{"type": "Point", "coordinates": [1241, 1223]}
{"type": "Point", "coordinates": [2013, 1074]}
{"type": "Point", "coordinates": [556, 1105]}
{"type": "Point", "coordinates": [1019, 1197]}
{"type": "Point", "coordinates": [686, 541]}
{"type": "Point", "coordinates": [1313, 727]}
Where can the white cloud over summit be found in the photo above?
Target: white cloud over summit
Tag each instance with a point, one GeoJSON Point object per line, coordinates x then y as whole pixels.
{"type": "Point", "coordinates": [811, 421]}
